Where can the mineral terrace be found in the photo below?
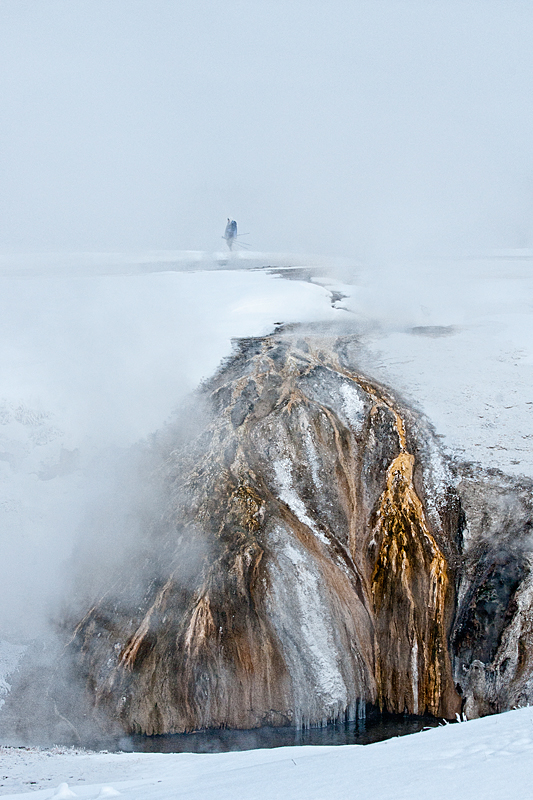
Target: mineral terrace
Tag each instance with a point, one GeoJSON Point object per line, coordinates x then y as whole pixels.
{"type": "Point", "coordinates": [315, 552]}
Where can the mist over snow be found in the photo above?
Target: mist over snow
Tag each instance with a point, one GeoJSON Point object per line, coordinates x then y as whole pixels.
{"type": "Point", "coordinates": [89, 365]}
{"type": "Point", "coordinates": [96, 353]}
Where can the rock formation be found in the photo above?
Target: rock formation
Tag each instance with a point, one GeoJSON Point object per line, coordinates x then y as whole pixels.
{"type": "Point", "coordinates": [314, 553]}
{"type": "Point", "coordinates": [325, 578]}
{"type": "Point", "coordinates": [492, 637]}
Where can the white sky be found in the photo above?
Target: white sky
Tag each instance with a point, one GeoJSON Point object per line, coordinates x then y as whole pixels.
{"type": "Point", "coordinates": [353, 128]}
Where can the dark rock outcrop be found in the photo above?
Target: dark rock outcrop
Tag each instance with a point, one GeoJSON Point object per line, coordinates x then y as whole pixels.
{"type": "Point", "coordinates": [492, 638]}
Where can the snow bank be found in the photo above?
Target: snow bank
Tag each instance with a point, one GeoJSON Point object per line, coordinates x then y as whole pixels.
{"type": "Point", "coordinates": [485, 758]}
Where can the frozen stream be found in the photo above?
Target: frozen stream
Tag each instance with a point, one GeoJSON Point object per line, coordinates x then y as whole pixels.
{"type": "Point", "coordinates": [375, 728]}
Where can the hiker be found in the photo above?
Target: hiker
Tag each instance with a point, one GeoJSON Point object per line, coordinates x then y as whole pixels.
{"type": "Point", "coordinates": [230, 234]}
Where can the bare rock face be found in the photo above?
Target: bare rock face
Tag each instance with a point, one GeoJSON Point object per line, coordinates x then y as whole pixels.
{"type": "Point", "coordinates": [304, 565]}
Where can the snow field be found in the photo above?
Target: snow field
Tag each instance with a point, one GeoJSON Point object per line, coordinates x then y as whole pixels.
{"type": "Point", "coordinates": [456, 338]}
{"type": "Point", "coordinates": [484, 759]}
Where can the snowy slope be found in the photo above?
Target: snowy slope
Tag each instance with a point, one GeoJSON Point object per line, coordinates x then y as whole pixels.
{"type": "Point", "coordinates": [456, 338]}
{"type": "Point", "coordinates": [485, 758]}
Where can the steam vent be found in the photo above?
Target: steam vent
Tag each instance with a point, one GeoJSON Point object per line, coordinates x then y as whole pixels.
{"type": "Point", "coordinates": [315, 553]}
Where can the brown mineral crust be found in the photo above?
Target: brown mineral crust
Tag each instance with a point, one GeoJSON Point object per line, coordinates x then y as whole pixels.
{"type": "Point", "coordinates": [410, 592]}
{"type": "Point", "coordinates": [321, 583]}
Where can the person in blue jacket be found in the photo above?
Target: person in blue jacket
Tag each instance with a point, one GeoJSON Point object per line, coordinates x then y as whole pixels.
{"type": "Point", "coordinates": [230, 233]}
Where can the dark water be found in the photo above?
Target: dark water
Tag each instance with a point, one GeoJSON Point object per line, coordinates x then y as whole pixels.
{"type": "Point", "coordinates": [374, 728]}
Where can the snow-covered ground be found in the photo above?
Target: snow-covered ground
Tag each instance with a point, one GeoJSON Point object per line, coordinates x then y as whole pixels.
{"type": "Point", "coordinates": [95, 353]}
{"type": "Point", "coordinates": [456, 338]}
{"type": "Point", "coordinates": [484, 759]}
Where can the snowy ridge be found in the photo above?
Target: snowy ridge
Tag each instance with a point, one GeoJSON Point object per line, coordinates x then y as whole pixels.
{"type": "Point", "coordinates": [455, 336]}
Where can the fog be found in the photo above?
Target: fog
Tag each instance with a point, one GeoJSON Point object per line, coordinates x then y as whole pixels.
{"type": "Point", "coordinates": [91, 365]}
{"type": "Point", "coordinates": [363, 129]}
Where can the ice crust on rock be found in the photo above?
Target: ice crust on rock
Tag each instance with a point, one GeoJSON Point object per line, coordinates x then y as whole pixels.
{"type": "Point", "coordinates": [10, 656]}
{"type": "Point", "coordinates": [300, 587]}
{"type": "Point", "coordinates": [353, 405]}
{"type": "Point", "coordinates": [287, 493]}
